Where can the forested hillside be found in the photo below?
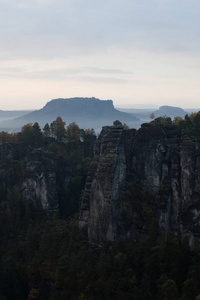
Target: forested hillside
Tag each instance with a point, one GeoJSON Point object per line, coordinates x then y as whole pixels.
{"type": "Point", "coordinates": [44, 254]}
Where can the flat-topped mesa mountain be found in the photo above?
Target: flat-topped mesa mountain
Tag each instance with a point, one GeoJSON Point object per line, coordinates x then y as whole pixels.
{"type": "Point", "coordinates": [86, 112]}
{"type": "Point", "coordinates": [137, 177]}
{"type": "Point", "coordinates": [170, 111]}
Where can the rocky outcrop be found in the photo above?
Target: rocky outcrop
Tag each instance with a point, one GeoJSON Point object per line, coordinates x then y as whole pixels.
{"type": "Point", "coordinates": [165, 162]}
{"type": "Point", "coordinates": [44, 177]}
{"type": "Point", "coordinates": [39, 184]}
{"type": "Point", "coordinates": [34, 171]}
{"type": "Point", "coordinates": [107, 171]}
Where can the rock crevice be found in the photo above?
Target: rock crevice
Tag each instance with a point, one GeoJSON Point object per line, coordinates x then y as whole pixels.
{"type": "Point", "coordinates": [166, 163]}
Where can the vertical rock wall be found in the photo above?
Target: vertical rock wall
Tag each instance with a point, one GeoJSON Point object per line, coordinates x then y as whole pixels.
{"type": "Point", "coordinates": [99, 208]}
{"type": "Point", "coordinates": [166, 163]}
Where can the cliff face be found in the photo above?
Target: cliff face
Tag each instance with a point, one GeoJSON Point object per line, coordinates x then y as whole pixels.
{"type": "Point", "coordinates": [39, 182]}
{"type": "Point", "coordinates": [166, 164]}
{"type": "Point", "coordinates": [34, 172]}
{"type": "Point", "coordinates": [153, 172]}
{"type": "Point", "coordinates": [107, 172]}
{"type": "Point", "coordinates": [45, 178]}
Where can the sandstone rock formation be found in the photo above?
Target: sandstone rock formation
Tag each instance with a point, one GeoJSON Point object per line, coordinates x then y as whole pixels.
{"type": "Point", "coordinates": [106, 175]}
{"type": "Point", "coordinates": [42, 176]}
{"type": "Point", "coordinates": [39, 182]}
{"type": "Point", "coordinates": [165, 162]}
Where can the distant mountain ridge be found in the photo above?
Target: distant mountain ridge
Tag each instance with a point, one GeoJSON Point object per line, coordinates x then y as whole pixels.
{"type": "Point", "coordinates": [170, 111]}
{"type": "Point", "coordinates": [86, 112]}
{"type": "Point", "coordinates": [11, 114]}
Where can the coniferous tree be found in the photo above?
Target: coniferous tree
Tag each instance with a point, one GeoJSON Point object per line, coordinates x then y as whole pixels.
{"type": "Point", "coordinates": [47, 130]}
{"type": "Point", "coordinates": [27, 134]}
{"type": "Point", "coordinates": [73, 133]}
{"type": "Point", "coordinates": [59, 129]}
{"type": "Point", "coordinates": [37, 134]}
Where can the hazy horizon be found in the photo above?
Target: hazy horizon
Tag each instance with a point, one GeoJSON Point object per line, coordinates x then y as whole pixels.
{"type": "Point", "coordinates": [120, 106]}
{"type": "Point", "coordinates": [135, 53]}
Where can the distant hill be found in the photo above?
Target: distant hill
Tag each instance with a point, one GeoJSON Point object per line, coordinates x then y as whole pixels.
{"type": "Point", "coordinates": [170, 111]}
{"type": "Point", "coordinates": [142, 114]}
{"type": "Point", "coordinates": [86, 112]}
{"type": "Point", "coordinates": [10, 114]}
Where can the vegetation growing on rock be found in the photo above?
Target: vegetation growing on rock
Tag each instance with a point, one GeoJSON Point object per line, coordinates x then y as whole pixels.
{"type": "Point", "coordinates": [44, 254]}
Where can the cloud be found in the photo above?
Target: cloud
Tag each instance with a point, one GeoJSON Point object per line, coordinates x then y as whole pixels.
{"type": "Point", "coordinates": [63, 72]}
{"type": "Point", "coordinates": [107, 71]}
{"type": "Point", "coordinates": [127, 49]}
{"type": "Point", "coordinates": [49, 28]}
{"type": "Point", "coordinates": [102, 80]}
{"type": "Point", "coordinates": [85, 74]}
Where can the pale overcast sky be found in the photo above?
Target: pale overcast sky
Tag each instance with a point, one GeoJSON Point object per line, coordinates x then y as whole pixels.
{"type": "Point", "coordinates": [137, 53]}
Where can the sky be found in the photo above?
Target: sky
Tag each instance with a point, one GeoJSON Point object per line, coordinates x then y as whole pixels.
{"type": "Point", "coordinates": [140, 54]}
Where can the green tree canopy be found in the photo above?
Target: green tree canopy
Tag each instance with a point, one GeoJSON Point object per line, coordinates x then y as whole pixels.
{"type": "Point", "coordinates": [59, 130]}
{"type": "Point", "coordinates": [27, 134]}
{"type": "Point", "coordinates": [37, 134]}
{"type": "Point", "coordinates": [46, 130]}
{"type": "Point", "coordinates": [73, 133]}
